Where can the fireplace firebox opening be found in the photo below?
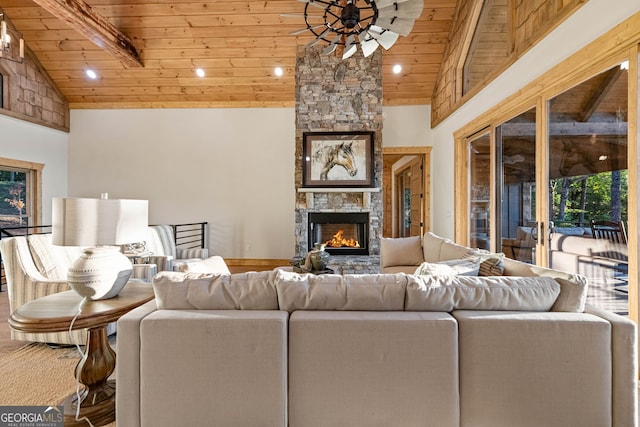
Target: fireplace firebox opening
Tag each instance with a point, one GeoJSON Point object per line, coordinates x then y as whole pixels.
{"type": "Point", "coordinates": [343, 233]}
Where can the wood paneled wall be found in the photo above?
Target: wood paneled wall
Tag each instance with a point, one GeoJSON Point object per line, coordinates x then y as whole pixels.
{"type": "Point", "coordinates": [530, 21]}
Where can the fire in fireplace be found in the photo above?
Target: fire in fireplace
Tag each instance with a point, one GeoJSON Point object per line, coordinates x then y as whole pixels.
{"type": "Point", "coordinates": [343, 233]}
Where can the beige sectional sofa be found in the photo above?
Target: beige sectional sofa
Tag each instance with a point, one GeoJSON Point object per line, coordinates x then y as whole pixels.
{"type": "Point", "coordinates": [283, 349]}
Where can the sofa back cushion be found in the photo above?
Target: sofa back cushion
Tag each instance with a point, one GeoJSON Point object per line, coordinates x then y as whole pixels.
{"type": "Point", "coordinates": [431, 246]}
{"type": "Point", "coordinates": [573, 287]}
{"type": "Point", "coordinates": [52, 261]}
{"type": "Point", "coordinates": [452, 250]}
{"type": "Point", "coordinates": [366, 292]}
{"type": "Point", "coordinates": [400, 251]}
{"type": "Point", "coordinates": [207, 291]}
{"type": "Point", "coordinates": [448, 293]}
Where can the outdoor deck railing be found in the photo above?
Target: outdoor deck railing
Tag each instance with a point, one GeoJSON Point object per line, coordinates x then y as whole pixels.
{"type": "Point", "coordinates": [187, 236]}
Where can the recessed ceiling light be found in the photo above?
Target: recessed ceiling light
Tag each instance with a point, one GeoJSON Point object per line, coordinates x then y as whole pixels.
{"type": "Point", "coordinates": [397, 69]}
{"type": "Point", "coordinates": [91, 74]}
{"type": "Point", "coordinates": [279, 71]}
{"type": "Point", "coordinates": [199, 72]}
{"type": "Point", "coordinates": [603, 157]}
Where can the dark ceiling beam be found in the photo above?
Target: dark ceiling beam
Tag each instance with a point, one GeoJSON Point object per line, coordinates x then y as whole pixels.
{"type": "Point", "coordinates": [81, 17]}
{"type": "Point", "coordinates": [599, 94]}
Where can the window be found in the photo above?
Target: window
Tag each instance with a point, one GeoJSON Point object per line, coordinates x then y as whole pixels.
{"type": "Point", "coordinates": [19, 193]}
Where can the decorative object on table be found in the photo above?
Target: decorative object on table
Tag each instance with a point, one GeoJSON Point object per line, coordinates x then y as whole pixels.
{"type": "Point", "coordinates": [318, 257]}
{"type": "Point", "coordinates": [102, 270]}
{"type": "Point", "coordinates": [345, 24]}
{"type": "Point", "coordinates": [315, 262]}
{"type": "Point", "coordinates": [337, 159]}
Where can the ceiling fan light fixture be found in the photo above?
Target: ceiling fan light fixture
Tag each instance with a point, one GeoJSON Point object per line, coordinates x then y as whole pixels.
{"type": "Point", "coordinates": [368, 23]}
{"type": "Point", "coordinates": [350, 15]}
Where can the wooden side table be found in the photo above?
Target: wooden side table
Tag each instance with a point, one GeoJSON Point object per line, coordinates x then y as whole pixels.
{"type": "Point", "coordinates": [54, 313]}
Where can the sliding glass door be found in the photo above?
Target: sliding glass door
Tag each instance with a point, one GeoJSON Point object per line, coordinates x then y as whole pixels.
{"type": "Point", "coordinates": [588, 185]}
{"type": "Point", "coordinates": [549, 186]}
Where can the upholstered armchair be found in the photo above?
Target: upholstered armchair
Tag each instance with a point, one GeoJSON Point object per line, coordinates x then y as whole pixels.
{"type": "Point", "coordinates": [168, 257]}
{"type": "Point", "coordinates": [34, 268]}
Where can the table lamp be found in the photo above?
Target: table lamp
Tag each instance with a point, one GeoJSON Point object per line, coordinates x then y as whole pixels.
{"type": "Point", "coordinates": [102, 224]}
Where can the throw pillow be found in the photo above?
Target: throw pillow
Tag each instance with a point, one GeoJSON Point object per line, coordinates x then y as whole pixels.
{"type": "Point", "coordinates": [401, 251]}
{"type": "Point", "coordinates": [456, 267]}
{"type": "Point", "coordinates": [491, 264]}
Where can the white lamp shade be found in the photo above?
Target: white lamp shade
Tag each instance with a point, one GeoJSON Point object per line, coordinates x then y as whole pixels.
{"type": "Point", "coordinates": [95, 222]}
{"type": "Point", "coordinates": [101, 272]}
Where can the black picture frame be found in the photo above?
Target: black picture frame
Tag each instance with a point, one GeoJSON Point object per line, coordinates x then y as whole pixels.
{"type": "Point", "coordinates": [337, 159]}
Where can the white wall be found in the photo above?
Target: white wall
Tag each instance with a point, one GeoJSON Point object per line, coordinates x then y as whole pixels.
{"type": "Point", "coordinates": [231, 167]}
{"type": "Point", "coordinates": [592, 20]}
{"type": "Point", "coordinates": [20, 140]}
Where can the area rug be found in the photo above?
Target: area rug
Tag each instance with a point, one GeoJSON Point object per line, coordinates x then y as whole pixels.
{"type": "Point", "coordinates": [37, 374]}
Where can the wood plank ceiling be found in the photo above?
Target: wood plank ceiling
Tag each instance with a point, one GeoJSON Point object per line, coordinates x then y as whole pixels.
{"type": "Point", "coordinates": [238, 43]}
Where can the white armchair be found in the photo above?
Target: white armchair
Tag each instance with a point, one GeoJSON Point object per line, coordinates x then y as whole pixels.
{"type": "Point", "coordinates": [168, 257]}
{"type": "Point", "coordinates": [34, 268]}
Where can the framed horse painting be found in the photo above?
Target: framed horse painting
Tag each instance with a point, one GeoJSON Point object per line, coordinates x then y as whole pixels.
{"type": "Point", "coordinates": [337, 159]}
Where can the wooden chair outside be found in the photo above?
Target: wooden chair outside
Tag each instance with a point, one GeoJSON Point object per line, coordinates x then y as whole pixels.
{"type": "Point", "coordinates": [612, 231]}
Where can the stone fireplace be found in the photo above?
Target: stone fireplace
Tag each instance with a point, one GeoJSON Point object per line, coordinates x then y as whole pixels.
{"type": "Point", "coordinates": [343, 233]}
{"type": "Point", "coordinates": [333, 95]}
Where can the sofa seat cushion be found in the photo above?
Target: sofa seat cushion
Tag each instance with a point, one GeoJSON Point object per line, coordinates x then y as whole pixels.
{"type": "Point", "coordinates": [448, 293]}
{"type": "Point", "coordinates": [356, 292]}
{"type": "Point", "coordinates": [534, 369]}
{"type": "Point", "coordinates": [401, 251]}
{"type": "Point", "coordinates": [241, 291]}
{"type": "Point", "coordinates": [373, 369]}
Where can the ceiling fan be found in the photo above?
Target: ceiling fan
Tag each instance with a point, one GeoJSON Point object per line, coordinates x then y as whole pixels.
{"type": "Point", "coordinates": [345, 24]}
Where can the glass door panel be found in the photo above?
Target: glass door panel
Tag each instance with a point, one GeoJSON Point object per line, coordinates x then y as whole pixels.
{"type": "Point", "coordinates": [516, 169]}
{"type": "Point", "coordinates": [480, 192]}
{"type": "Point", "coordinates": [588, 186]}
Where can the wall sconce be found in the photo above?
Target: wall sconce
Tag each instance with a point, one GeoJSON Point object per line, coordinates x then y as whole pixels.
{"type": "Point", "coordinates": [11, 42]}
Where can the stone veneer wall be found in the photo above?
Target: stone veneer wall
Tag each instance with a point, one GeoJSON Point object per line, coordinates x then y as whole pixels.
{"type": "Point", "coordinates": [335, 95]}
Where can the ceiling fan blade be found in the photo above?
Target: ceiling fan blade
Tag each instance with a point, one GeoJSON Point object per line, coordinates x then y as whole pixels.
{"type": "Point", "coordinates": [386, 39]}
{"type": "Point", "coordinates": [300, 15]}
{"type": "Point", "coordinates": [410, 9]}
{"type": "Point", "coordinates": [313, 3]}
{"type": "Point", "coordinates": [368, 46]}
{"type": "Point", "coordinates": [350, 47]}
{"type": "Point", "coordinates": [385, 3]}
{"type": "Point", "coordinates": [332, 46]}
{"type": "Point", "coordinates": [317, 39]}
{"type": "Point", "coordinates": [298, 32]}
{"type": "Point", "coordinates": [402, 26]}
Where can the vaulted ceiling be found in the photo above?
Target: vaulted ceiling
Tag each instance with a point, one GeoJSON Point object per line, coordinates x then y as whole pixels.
{"type": "Point", "coordinates": [238, 43]}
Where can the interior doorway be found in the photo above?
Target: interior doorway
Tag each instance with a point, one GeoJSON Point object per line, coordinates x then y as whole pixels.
{"type": "Point", "coordinates": [406, 191]}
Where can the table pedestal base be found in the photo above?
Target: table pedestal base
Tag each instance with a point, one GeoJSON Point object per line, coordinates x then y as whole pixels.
{"type": "Point", "coordinates": [100, 413]}
{"type": "Point", "coordinates": [97, 398]}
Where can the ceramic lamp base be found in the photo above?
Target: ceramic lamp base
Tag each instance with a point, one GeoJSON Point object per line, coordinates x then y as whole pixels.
{"type": "Point", "coordinates": [100, 272]}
